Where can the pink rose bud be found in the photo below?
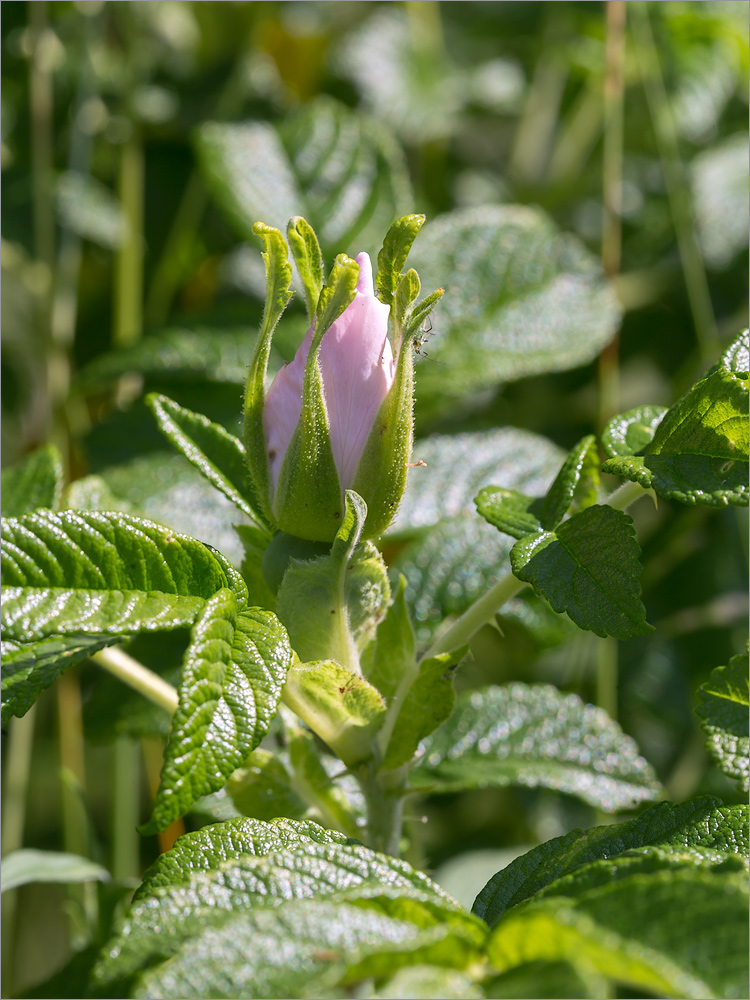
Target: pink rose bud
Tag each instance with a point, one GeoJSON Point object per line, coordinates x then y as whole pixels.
{"type": "Point", "coordinates": [357, 368]}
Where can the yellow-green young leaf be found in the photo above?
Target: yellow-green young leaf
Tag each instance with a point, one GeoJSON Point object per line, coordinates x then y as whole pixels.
{"type": "Point", "coordinates": [262, 788]}
{"type": "Point", "coordinates": [681, 931]}
{"type": "Point", "coordinates": [35, 482]}
{"type": "Point", "coordinates": [339, 706]}
{"type": "Point", "coordinates": [538, 737]}
{"type": "Point", "coordinates": [699, 452]}
{"type": "Point", "coordinates": [213, 451]}
{"type": "Point", "coordinates": [234, 669]}
{"type": "Point", "coordinates": [588, 567]}
{"type": "Point", "coordinates": [723, 707]}
{"type": "Point", "coordinates": [77, 580]}
{"type": "Point", "coordinates": [701, 826]}
{"type": "Point", "coordinates": [632, 431]}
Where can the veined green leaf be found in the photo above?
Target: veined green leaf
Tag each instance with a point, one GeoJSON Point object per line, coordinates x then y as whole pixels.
{"type": "Point", "coordinates": [95, 576]}
{"type": "Point", "coordinates": [206, 849]}
{"type": "Point", "coordinates": [35, 482]}
{"type": "Point", "coordinates": [700, 825]}
{"type": "Point", "coordinates": [632, 431]}
{"type": "Point", "coordinates": [262, 788]}
{"type": "Point", "coordinates": [588, 567]}
{"type": "Point", "coordinates": [213, 451]}
{"type": "Point", "coordinates": [723, 706]}
{"type": "Point", "coordinates": [699, 452]}
{"type": "Point", "coordinates": [27, 865]}
{"type": "Point", "coordinates": [232, 677]}
{"type": "Point", "coordinates": [160, 922]}
{"type": "Point", "coordinates": [338, 168]}
{"type": "Point", "coordinates": [524, 298]}
{"type": "Point", "coordinates": [538, 737]}
{"type": "Point", "coordinates": [619, 928]}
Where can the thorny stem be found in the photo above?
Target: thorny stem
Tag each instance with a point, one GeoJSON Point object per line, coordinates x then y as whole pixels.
{"type": "Point", "coordinates": [143, 680]}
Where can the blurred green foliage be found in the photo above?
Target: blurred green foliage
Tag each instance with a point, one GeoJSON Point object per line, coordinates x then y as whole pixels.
{"type": "Point", "coordinates": [121, 274]}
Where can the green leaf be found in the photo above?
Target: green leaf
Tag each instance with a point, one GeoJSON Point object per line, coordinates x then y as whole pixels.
{"type": "Point", "coordinates": [206, 849]}
{"type": "Point", "coordinates": [699, 452]}
{"type": "Point", "coordinates": [179, 355]}
{"type": "Point", "coordinates": [428, 703]}
{"type": "Point", "coordinates": [559, 498]}
{"type": "Point", "coordinates": [538, 737]}
{"type": "Point", "coordinates": [213, 451]}
{"type": "Point", "coordinates": [720, 197]}
{"type": "Point", "coordinates": [89, 208]}
{"type": "Point", "coordinates": [235, 667]}
{"type": "Point", "coordinates": [723, 707]}
{"type": "Point", "coordinates": [589, 567]}
{"type": "Point", "coordinates": [332, 604]}
{"type": "Point", "coordinates": [262, 788]}
{"type": "Point", "coordinates": [512, 512]}
{"type": "Point", "coordinates": [392, 257]}
{"type": "Point", "coordinates": [631, 432]}
{"type": "Point", "coordinates": [677, 932]}
{"type": "Point", "coordinates": [94, 577]}
{"type": "Point", "coordinates": [421, 982]}
{"type": "Point", "coordinates": [393, 651]}
{"type": "Point", "coordinates": [309, 260]}
{"type": "Point", "coordinates": [336, 167]}
{"type": "Point", "coordinates": [35, 482]}
{"type": "Point", "coordinates": [338, 705]}
{"type": "Point", "coordinates": [205, 890]}
{"type": "Point", "coordinates": [523, 299]}
{"type": "Point", "coordinates": [28, 865]}
{"type": "Point", "coordinates": [736, 358]}
{"type": "Point", "coordinates": [278, 953]}
{"type": "Point", "coordinates": [700, 825]}
{"type": "Point", "coordinates": [552, 980]}
{"type": "Point", "coordinates": [30, 667]}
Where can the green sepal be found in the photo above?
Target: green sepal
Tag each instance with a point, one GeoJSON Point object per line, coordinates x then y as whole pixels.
{"type": "Point", "coordinates": [392, 256]}
{"type": "Point", "coordinates": [407, 291]}
{"type": "Point", "coordinates": [332, 604]}
{"type": "Point", "coordinates": [308, 501]}
{"type": "Point", "coordinates": [309, 260]}
{"type": "Point", "coordinates": [420, 312]}
{"type": "Point", "coordinates": [338, 705]}
{"type": "Point", "coordinates": [278, 294]}
{"type": "Point", "coordinates": [381, 474]}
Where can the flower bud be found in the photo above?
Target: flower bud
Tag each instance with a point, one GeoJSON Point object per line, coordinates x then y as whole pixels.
{"type": "Point", "coordinates": [339, 416]}
{"type": "Point", "coordinates": [357, 368]}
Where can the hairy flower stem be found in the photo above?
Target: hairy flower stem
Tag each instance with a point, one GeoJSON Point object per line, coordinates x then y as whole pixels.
{"type": "Point", "coordinates": [384, 796]}
{"type": "Point", "coordinates": [140, 678]}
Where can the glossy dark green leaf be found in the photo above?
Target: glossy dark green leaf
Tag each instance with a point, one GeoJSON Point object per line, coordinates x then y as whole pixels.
{"type": "Point", "coordinates": [538, 737]}
{"type": "Point", "coordinates": [700, 826]}
{"type": "Point", "coordinates": [512, 512]}
{"type": "Point", "coordinates": [35, 482]}
{"type": "Point", "coordinates": [723, 707]}
{"type": "Point", "coordinates": [213, 451]}
{"type": "Point", "coordinates": [75, 579]}
{"type": "Point", "coordinates": [590, 568]}
{"type": "Point", "coordinates": [560, 495]}
{"type": "Point", "coordinates": [699, 452]}
{"type": "Point", "coordinates": [619, 928]}
{"type": "Point", "coordinates": [521, 298]}
{"type": "Point", "coordinates": [234, 669]}
{"type": "Point", "coordinates": [336, 167]}
{"type": "Point", "coordinates": [632, 431]}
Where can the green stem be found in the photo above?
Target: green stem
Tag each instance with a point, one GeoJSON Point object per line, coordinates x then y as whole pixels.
{"type": "Point", "coordinates": [125, 809]}
{"type": "Point", "coordinates": [17, 761]}
{"type": "Point", "coordinates": [129, 270]}
{"type": "Point", "coordinates": [140, 678]}
{"type": "Point", "coordinates": [475, 616]}
{"type": "Point", "coordinates": [384, 796]}
{"type": "Point", "coordinates": [678, 189]}
{"type": "Point", "coordinates": [626, 495]}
